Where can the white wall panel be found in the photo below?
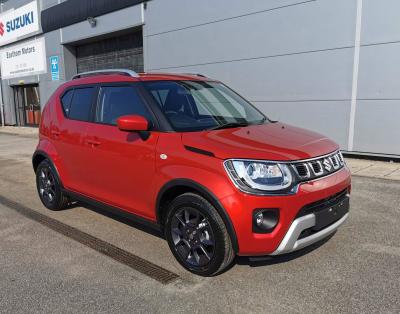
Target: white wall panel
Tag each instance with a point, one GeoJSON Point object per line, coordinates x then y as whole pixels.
{"type": "Point", "coordinates": [300, 28]}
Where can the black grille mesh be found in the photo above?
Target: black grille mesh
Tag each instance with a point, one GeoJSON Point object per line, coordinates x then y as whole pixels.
{"type": "Point", "coordinates": [319, 167]}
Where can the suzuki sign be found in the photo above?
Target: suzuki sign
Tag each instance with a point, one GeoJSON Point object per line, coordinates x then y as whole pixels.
{"type": "Point", "coordinates": [18, 23]}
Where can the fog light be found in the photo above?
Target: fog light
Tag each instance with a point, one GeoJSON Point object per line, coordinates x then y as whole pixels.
{"type": "Point", "coordinates": [259, 219]}
{"type": "Point", "coordinates": [265, 220]}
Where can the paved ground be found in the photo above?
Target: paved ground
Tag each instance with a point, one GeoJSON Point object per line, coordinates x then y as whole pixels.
{"type": "Point", "coordinates": [24, 131]}
{"type": "Point", "coordinates": [356, 271]}
{"type": "Point", "coordinates": [374, 169]}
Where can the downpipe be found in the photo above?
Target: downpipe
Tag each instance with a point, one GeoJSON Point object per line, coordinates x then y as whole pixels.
{"type": "Point", "coordinates": [2, 104]}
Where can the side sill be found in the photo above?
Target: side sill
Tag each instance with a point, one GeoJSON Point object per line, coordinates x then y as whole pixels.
{"type": "Point", "coordinates": [115, 211]}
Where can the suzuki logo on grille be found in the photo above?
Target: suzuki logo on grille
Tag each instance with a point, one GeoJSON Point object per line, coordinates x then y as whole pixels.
{"type": "Point", "coordinates": [327, 164]}
{"type": "Point", "coordinates": [1, 28]}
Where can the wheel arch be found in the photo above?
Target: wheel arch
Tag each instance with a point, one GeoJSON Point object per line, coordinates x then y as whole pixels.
{"type": "Point", "coordinates": [178, 187]}
{"type": "Point", "coordinates": [38, 157]}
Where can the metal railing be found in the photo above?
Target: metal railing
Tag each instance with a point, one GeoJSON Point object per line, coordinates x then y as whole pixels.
{"type": "Point", "coordinates": [107, 71]}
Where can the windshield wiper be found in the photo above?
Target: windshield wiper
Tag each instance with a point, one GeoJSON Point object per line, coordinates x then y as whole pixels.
{"type": "Point", "coordinates": [262, 121]}
{"type": "Point", "coordinates": [228, 125]}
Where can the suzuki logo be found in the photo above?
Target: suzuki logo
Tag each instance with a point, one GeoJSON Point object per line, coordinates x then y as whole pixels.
{"type": "Point", "coordinates": [1, 29]}
{"type": "Point", "coordinates": [327, 164]}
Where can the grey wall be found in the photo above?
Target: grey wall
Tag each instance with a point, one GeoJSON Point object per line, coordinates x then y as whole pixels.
{"type": "Point", "coordinates": [292, 59]}
{"type": "Point", "coordinates": [108, 23]}
{"type": "Point", "coordinates": [377, 120]}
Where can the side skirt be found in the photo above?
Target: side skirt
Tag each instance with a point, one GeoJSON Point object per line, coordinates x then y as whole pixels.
{"type": "Point", "coordinates": [142, 222]}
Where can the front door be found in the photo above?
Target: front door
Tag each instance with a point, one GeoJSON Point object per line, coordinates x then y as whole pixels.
{"type": "Point", "coordinates": [27, 105]}
{"type": "Point", "coordinates": [122, 164]}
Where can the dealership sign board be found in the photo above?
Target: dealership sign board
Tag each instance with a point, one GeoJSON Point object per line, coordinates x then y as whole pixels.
{"type": "Point", "coordinates": [28, 58]}
{"type": "Point", "coordinates": [18, 22]}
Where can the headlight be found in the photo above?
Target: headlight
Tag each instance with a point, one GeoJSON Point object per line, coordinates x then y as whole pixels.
{"type": "Point", "coordinates": [259, 176]}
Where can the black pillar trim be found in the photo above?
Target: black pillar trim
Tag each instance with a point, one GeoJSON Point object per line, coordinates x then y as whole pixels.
{"type": "Point", "coordinates": [75, 11]}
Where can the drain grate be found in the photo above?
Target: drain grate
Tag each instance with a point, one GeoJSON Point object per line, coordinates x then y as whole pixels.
{"type": "Point", "coordinates": [135, 262]}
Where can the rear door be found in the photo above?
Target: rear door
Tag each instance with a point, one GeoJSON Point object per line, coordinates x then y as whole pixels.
{"type": "Point", "coordinates": [69, 136]}
{"type": "Point", "coordinates": [121, 170]}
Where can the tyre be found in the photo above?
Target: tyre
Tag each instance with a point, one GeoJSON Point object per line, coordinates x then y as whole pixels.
{"type": "Point", "coordinates": [49, 187]}
{"type": "Point", "coordinates": [197, 235]}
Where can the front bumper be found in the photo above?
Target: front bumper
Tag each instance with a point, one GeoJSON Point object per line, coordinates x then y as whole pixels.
{"type": "Point", "coordinates": [292, 242]}
{"type": "Point", "coordinates": [295, 213]}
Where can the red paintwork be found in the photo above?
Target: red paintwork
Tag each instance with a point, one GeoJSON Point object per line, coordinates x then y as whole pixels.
{"type": "Point", "coordinates": [121, 169]}
{"type": "Point", "coordinates": [274, 141]}
{"type": "Point", "coordinates": [132, 123]}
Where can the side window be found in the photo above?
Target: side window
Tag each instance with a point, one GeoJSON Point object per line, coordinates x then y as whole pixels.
{"type": "Point", "coordinates": [66, 101]}
{"type": "Point", "coordinates": [81, 104]}
{"type": "Point", "coordinates": [118, 101]}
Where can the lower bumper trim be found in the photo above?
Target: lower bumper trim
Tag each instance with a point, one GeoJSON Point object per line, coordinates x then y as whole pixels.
{"type": "Point", "coordinates": [291, 241]}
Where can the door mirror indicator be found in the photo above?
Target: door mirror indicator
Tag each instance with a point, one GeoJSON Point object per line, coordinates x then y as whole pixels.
{"type": "Point", "coordinates": [132, 123]}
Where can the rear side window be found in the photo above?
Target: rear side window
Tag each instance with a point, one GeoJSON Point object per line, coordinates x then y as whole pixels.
{"type": "Point", "coordinates": [81, 104]}
{"type": "Point", "coordinates": [117, 101]}
{"type": "Point", "coordinates": [66, 101]}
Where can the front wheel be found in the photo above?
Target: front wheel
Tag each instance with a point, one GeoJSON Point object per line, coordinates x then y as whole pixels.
{"type": "Point", "coordinates": [197, 235]}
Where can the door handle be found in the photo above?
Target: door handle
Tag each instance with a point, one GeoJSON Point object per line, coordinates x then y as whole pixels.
{"type": "Point", "coordinates": [55, 133]}
{"type": "Point", "coordinates": [93, 142]}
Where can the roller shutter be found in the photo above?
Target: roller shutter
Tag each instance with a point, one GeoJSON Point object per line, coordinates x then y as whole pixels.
{"type": "Point", "coordinates": [124, 52]}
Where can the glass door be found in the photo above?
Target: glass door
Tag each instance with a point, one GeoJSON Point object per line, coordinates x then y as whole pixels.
{"type": "Point", "coordinates": [32, 105]}
{"type": "Point", "coordinates": [19, 105]}
{"type": "Point", "coordinates": [27, 105]}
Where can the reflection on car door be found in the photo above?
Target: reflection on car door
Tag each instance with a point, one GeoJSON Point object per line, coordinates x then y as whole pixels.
{"type": "Point", "coordinates": [122, 167]}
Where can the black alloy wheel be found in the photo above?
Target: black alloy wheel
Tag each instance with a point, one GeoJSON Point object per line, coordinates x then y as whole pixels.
{"type": "Point", "coordinates": [193, 237]}
{"type": "Point", "coordinates": [197, 235]}
{"type": "Point", "coordinates": [47, 187]}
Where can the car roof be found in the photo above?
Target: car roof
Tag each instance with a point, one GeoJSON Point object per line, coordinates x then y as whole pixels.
{"type": "Point", "coordinates": [115, 78]}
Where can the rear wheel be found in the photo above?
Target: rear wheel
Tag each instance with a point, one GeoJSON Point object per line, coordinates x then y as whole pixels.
{"type": "Point", "coordinates": [49, 187]}
{"type": "Point", "coordinates": [197, 235]}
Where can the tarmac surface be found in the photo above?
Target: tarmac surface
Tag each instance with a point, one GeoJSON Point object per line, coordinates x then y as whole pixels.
{"type": "Point", "coordinates": [45, 269]}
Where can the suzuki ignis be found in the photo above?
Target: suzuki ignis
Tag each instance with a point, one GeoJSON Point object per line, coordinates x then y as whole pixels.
{"type": "Point", "coordinates": [190, 156]}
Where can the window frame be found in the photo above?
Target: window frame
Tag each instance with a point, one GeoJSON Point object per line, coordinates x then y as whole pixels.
{"type": "Point", "coordinates": [167, 124]}
{"type": "Point", "coordinates": [156, 121]}
{"type": "Point", "coordinates": [151, 117]}
{"type": "Point", "coordinates": [70, 101]}
{"type": "Point", "coordinates": [74, 88]}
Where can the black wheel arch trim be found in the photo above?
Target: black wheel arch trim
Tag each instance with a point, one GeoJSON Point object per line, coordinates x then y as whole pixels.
{"type": "Point", "coordinates": [47, 157]}
{"type": "Point", "coordinates": [208, 195]}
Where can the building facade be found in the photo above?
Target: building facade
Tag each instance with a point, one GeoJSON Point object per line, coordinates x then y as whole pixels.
{"type": "Point", "coordinates": [326, 65]}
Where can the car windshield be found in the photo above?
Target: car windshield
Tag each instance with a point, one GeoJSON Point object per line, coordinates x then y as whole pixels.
{"type": "Point", "coordinates": [198, 105]}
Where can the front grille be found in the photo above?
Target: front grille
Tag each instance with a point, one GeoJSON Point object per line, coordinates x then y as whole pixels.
{"type": "Point", "coordinates": [341, 160]}
{"type": "Point", "coordinates": [335, 161]}
{"type": "Point", "coordinates": [318, 167]}
{"type": "Point", "coordinates": [302, 170]}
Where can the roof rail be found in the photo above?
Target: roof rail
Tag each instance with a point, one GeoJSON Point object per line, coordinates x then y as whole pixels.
{"type": "Point", "coordinates": [196, 74]}
{"type": "Point", "coordinates": [106, 71]}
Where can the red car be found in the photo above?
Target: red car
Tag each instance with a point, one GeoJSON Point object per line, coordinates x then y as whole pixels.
{"type": "Point", "coordinates": [190, 156]}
